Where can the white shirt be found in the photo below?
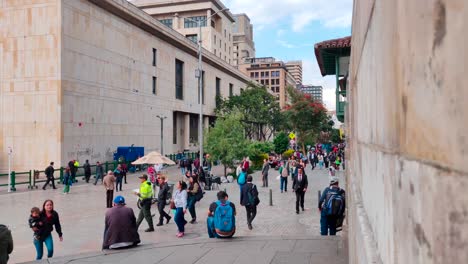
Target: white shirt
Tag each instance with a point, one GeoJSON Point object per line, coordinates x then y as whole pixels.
{"type": "Point", "coordinates": [180, 198]}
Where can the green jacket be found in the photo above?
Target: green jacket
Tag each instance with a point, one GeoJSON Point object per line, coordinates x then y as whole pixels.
{"type": "Point", "coordinates": [146, 190]}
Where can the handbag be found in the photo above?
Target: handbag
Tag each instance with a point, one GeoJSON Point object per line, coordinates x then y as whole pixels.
{"type": "Point", "coordinates": [172, 204]}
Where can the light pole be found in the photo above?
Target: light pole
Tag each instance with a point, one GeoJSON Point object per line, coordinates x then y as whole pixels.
{"type": "Point", "coordinates": [199, 75]}
{"type": "Point", "coordinates": [161, 117]}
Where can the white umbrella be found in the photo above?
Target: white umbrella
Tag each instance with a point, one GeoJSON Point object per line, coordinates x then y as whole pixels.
{"type": "Point", "coordinates": [153, 158]}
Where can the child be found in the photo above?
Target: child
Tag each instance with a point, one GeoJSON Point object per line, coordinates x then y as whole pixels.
{"type": "Point", "coordinates": [35, 221]}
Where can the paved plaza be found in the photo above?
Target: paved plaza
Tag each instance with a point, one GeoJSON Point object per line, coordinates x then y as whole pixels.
{"type": "Point", "coordinates": [279, 235]}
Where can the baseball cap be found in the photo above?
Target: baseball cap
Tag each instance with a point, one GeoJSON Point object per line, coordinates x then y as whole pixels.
{"type": "Point", "coordinates": [144, 176]}
{"type": "Point", "coordinates": [119, 200]}
{"type": "Point", "coordinates": [334, 180]}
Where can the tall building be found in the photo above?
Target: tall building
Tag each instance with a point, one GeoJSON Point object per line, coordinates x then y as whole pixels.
{"type": "Point", "coordinates": [244, 46]}
{"type": "Point", "coordinates": [315, 91]}
{"type": "Point", "coordinates": [271, 74]}
{"type": "Point", "coordinates": [217, 36]}
{"type": "Point", "coordinates": [295, 68]}
{"type": "Point", "coordinates": [86, 76]}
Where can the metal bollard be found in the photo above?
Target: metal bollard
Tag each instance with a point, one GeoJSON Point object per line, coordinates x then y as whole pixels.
{"type": "Point", "coordinates": [271, 197]}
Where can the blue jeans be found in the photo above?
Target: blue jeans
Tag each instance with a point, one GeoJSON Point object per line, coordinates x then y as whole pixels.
{"type": "Point", "coordinates": [210, 227]}
{"type": "Point", "coordinates": [118, 183]}
{"type": "Point", "coordinates": [284, 183]}
{"type": "Point", "coordinates": [179, 219]}
{"type": "Point", "coordinates": [182, 170]}
{"type": "Point", "coordinates": [327, 222]}
{"type": "Point", "coordinates": [191, 206]}
{"type": "Point", "coordinates": [49, 242]}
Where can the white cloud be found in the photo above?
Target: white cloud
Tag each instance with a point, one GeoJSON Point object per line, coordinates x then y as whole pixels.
{"type": "Point", "coordinates": [298, 13]}
{"type": "Point", "coordinates": [286, 44]}
{"type": "Point", "coordinates": [312, 76]}
{"type": "Point", "coordinates": [280, 32]}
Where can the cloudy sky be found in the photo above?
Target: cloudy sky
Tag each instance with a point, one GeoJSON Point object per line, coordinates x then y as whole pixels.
{"type": "Point", "coordinates": [288, 30]}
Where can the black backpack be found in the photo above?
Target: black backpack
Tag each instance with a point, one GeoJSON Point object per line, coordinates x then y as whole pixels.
{"type": "Point", "coordinates": [253, 198]}
{"type": "Point", "coordinates": [334, 203]}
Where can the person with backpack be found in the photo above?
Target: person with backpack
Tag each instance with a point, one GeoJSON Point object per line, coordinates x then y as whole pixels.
{"type": "Point", "coordinates": [284, 173]}
{"type": "Point", "coordinates": [242, 179]}
{"type": "Point", "coordinates": [183, 164]}
{"type": "Point", "coordinates": [332, 205]}
{"type": "Point", "coordinates": [49, 172]}
{"type": "Point", "coordinates": [249, 199]}
{"type": "Point", "coordinates": [118, 178]}
{"type": "Point", "coordinates": [221, 221]}
{"type": "Point", "coordinates": [300, 184]}
{"type": "Point", "coordinates": [195, 194]}
{"type": "Point", "coordinates": [87, 170]}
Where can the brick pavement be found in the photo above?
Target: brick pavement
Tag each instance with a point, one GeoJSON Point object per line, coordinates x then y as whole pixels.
{"type": "Point", "coordinates": [82, 216]}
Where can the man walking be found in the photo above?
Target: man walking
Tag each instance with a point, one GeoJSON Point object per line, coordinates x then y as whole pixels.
{"type": "Point", "coordinates": [331, 205]}
{"type": "Point", "coordinates": [87, 170]}
{"type": "Point", "coordinates": [49, 172]}
{"type": "Point", "coordinates": [162, 198]}
{"type": "Point", "coordinates": [119, 177]}
{"type": "Point", "coordinates": [99, 172]}
{"type": "Point", "coordinates": [146, 195]}
{"type": "Point", "coordinates": [300, 187]}
{"type": "Point", "coordinates": [249, 199]}
{"type": "Point", "coordinates": [124, 171]}
{"type": "Point", "coordinates": [109, 184]}
{"type": "Point", "coordinates": [265, 169]}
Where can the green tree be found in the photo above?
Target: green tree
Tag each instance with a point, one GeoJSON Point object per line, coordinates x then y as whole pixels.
{"type": "Point", "coordinates": [281, 142]}
{"type": "Point", "coordinates": [261, 114]}
{"type": "Point", "coordinates": [225, 141]}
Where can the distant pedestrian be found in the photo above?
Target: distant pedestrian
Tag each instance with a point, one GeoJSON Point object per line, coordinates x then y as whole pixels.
{"type": "Point", "coordinates": [120, 229]}
{"type": "Point", "coordinates": [6, 244]}
{"type": "Point", "coordinates": [221, 221]}
{"type": "Point", "coordinates": [265, 169]}
{"type": "Point", "coordinates": [124, 169]}
{"type": "Point", "coordinates": [109, 183]}
{"type": "Point", "coordinates": [99, 173]}
{"type": "Point", "coordinates": [245, 164]}
{"type": "Point", "coordinates": [183, 164]}
{"type": "Point", "coordinates": [51, 219]}
{"type": "Point", "coordinates": [332, 205]}
{"type": "Point", "coordinates": [49, 172]}
{"type": "Point", "coordinates": [87, 171]}
{"type": "Point", "coordinates": [145, 195]}
{"type": "Point", "coordinates": [179, 199]}
{"type": "Point", "coordinates": [194, 191]}
{"type": "Point", "coordinates": [162, 198]}
{"type": "Point", "coordinates": [71, 164]}
{"type": "Point", "coordinates": [300, 184]}
{"type": "Point", "coordinates": [249, 199]}
{"type": "Point", "coordinates": [320, 160]}
{"type": "Point", "coordinates": [119, 178]}
{"type": "Point", "coordinates": [284, 173]}
{"type": "Point", "coordinates": [67, 180]}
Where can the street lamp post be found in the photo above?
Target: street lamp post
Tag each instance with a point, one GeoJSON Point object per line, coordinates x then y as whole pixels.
{"type": "Point", "coordinates": [161, 117]}
{"type": "Point", "coordinates": [199, 75]}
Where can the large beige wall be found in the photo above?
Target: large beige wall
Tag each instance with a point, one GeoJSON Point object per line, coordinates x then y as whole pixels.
{"type": "Point", "coordinates": [104, 60]}
{"type": "Point", "coordinates": [30, 98]}
{"type": "Point", "coordinates": [408, 120]}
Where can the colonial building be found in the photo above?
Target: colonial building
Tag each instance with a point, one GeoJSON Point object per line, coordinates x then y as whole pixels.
{"type": "Point", "coordinates": [80, 77]}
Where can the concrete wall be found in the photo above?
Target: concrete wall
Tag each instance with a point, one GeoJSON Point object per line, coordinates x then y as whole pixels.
{"type": "Point", "coordinates": [30, 98]}
{"type": "Point", "coordinates": [408, 123]}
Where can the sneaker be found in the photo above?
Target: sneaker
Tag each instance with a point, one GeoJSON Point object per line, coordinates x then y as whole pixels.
{"type": "Point", "coordinates": [181, 234]}
{"type": "Point", "coordinates": [250, 227]}
{"type": "Point", "coordinates": [168, 219]}
{"type": "Point", "coordinates": [297, 212]}
{"type": "Point", "coordinates": [149, 229]}
{"type": "Point", "coordinates": [159, 224]}
{"type": "Point", "coordinates": [194, 221]}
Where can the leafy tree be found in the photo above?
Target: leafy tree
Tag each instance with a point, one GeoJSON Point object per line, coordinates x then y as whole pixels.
{"type": "Point", "coordinates": [281, 142]}
{"type": "Point", "coordinates": [261, 114]}
{"type": "Point", "coordinates": [225, 141]}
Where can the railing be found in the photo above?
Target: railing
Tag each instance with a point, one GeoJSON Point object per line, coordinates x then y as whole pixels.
{"type": "Point", "coordinates": [191, 155]}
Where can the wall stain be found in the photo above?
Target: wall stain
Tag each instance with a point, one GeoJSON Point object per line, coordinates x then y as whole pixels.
{"type": "Point", "coordinates": [411, 188]}
{"type": "Point", "coordinates": [422, 240]}
{"type": "Point", "coordinates": [440, 25]}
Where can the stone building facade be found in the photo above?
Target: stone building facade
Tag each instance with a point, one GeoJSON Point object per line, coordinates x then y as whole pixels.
{"type": "Point", "coordinates": [80, 77]}
{"type": "Point", "coordinates": [408, 120]}
{"type": "Point", "coordinates": [243, 41]}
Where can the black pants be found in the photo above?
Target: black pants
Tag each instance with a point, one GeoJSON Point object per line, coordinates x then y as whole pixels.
{"type": "Point", "coordinates": [251, 213]}
{"type": "Point", "coordinates": [265, 179]}
{"type": "Point", "coordinates": [49, 180]}
{"type": "Point", "coordinates": [162, 213]}
{"type": "Point", "coordinates": [125, 177]}
{"type": "Point", "coordinates": [299, 199]}
{"type": "Point", "coordinates": [87, 176]}
{"type": "Point", "coordinates": [109, 198]}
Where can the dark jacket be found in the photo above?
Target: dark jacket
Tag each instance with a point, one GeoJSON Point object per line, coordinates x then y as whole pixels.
{"type": "Point", "coordinates": [49, 172]}
{"type": "Point", "coordinates": [265, 168]}
{"type": "Point", "coordinates": [246, 189]}
{"type": "Point", "coordinates": [87, 169]}
{"type": "Point", "coordinates": [120, 226]}
{"type": "Point", "coordinates": [50, 223]}
{"type": "Point", "coordinates": [300, 185]}
{"type": "Point", "coordinates": [6, 244]}
{"type": "Point", "coordinates": [163, 193]}
{"type": "Point", "coordinates": [325, 195]}
{"type": "Point", "coordinates": [38, 223]}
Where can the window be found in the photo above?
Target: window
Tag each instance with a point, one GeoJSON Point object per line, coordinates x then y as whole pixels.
{"type": "Point", "coordinates": [275, 74]}
{"type": "Point", "coordinates": [218, 87]}
{"type": "Point", "coordinates": [179, 79]}
{"type": "Point", "coordinates": [193, 38]}
{"type": "Point", "coordinates": [154, 85]}
{"type": "Point", "coordinates": [214, 52]}
{"type": "Point", "coordinates": [220, 43]}
{"type": "Point", "coordinates": [167, 22]}
{"type": "Point", "coordinates": [189, 22]}
{"type": "Point", "coordinates": [262, 74]}
{"type": "Point", "coordinates": [154, 56]}
{"type": "Point", "coordinates": [267, 82]}
{"type": "Point", "coordinates": [267, 74]}
{"type": "Point", "coordinates": [213, 25]}
{"type": "Point", "coordinates": [256, 74]}
{"type": "Point", "coordinates": [225, 47]}
{"type": "Point", "coordinates": [277, 89]}
{"type": "Point", "coordinates": [262, 82]}
{"type": "Point", "coordinates": [225, 33]}
{"type": "Point", "coordinates": [251, 75]}
{"type": "Point", "coordinates": [231, 89]}
{"type": "Point", "coordinates": [215, 39]}
{"type": "Point", "coordinates": [174, 127]}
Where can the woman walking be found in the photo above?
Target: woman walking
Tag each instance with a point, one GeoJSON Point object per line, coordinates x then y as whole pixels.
{"type": "Point", "coordinates": [180, 202]}
{"type": "Point", "coordinates": [67, 180]}
{"type": "Point", "coordinates": [193, 190]}
{"type": "Point", "coordinates": [50, 218]}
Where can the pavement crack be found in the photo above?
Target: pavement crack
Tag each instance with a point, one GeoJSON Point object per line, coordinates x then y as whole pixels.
{"type": "Point", "coordinates": [208, 251]}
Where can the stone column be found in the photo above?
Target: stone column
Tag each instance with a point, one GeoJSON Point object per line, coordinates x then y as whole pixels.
{"type": "Point", "coordinates": [186, 131]}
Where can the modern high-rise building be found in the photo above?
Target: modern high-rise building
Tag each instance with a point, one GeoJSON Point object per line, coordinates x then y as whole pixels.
{"type": "Point", "coordinates": [315, 91]}
{"type": "Point", "coordinates": [295, 68]}
{"type": "Point", "coordinates": [244, 46]}
{"type": "Point", "coordinates": [270, 73]}
{"type": "Point", "coordinates": [217, 36]}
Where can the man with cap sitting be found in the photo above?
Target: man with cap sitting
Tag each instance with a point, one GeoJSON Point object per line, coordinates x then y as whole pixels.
{"type": "Point", "coordinates": [332, 205]}
{"type": "Point", "coordinates": [146, 195]}
{"type": "Point", "coordinates": [120, 226]}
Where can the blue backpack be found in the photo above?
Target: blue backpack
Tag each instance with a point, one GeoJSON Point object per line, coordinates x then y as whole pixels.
{"type": "Point", "coordinates": [334, 203]}
{"type": "Point", "coordinates": [242, 177]}
{"type": "Point", "coordinates": [224, 221]}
